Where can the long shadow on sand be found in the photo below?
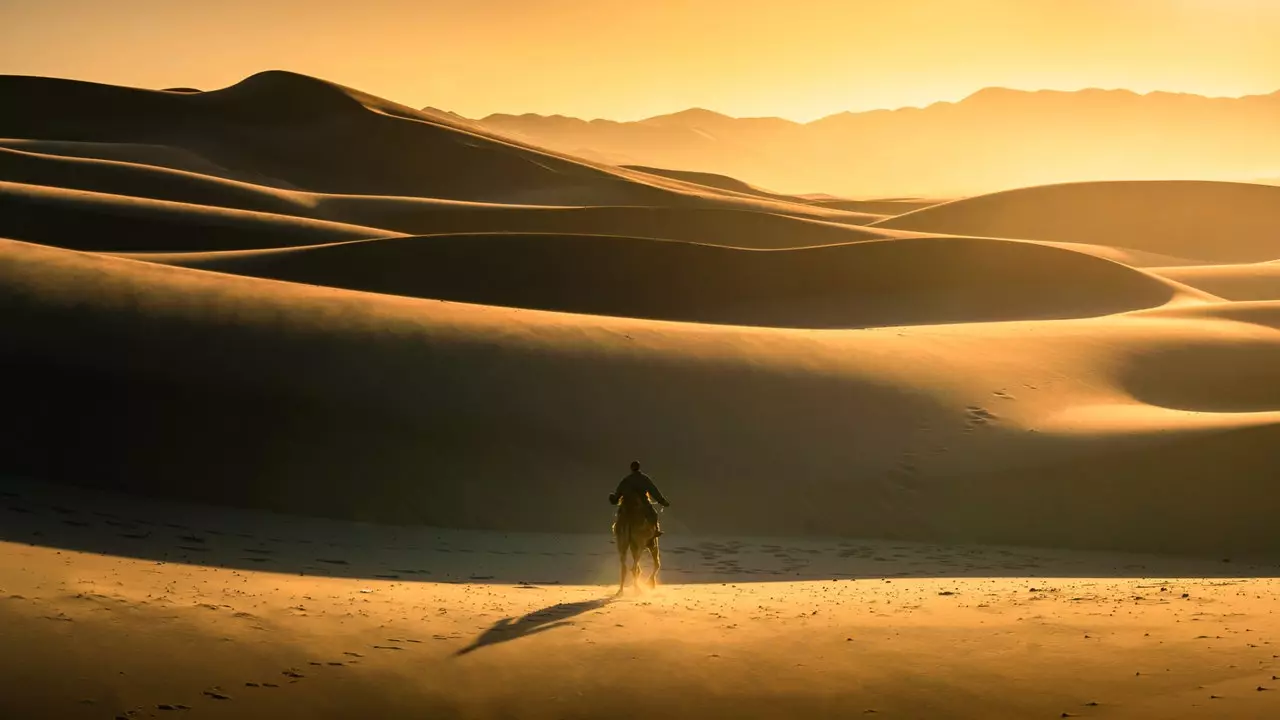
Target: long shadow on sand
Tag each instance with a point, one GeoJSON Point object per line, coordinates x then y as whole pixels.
{"type": "Point", "coordinates": [85, 520]}
{"type": "Point", "coordinates": [548, 618]}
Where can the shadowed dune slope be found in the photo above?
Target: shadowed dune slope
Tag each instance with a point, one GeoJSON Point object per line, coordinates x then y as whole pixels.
{"type": "Point", "coordinates": [1212, 221]}
{"type": "Point", "coordinates": [139, 154]}
{"type": "Point", "coordinates": [314, 400]}
{"type": "Point", "coordinates": [94, 221]}
{"type": "Point", "coordinates": [876, 283]}
{"type": "Point", "coordinates": [305, 132]}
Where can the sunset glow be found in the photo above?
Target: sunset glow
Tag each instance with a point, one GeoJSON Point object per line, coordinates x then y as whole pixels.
{"type": "Point", "coordinates": [621, 59]}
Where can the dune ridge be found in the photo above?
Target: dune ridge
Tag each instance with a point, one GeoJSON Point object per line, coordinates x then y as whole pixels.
{"type": "Point", "coordinates": [1241, 282]}
{"type": "Point", "coordinates": [392, 214]}
{"type": "Point", "coordinates": [1217, 222]}
{"type": "Point", "coordinates": [888, 282]}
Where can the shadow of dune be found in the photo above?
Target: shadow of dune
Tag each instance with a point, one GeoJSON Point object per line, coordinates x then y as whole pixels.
{"type": "Point", "coordinates": [870, 283]}
{"type": "Point", "coordinates": [548, 618]}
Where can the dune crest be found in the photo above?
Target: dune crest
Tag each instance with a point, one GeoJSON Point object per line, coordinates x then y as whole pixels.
{"type": "Point", "coordinates": [890, 282]}
{"type": "Point", "coordinates": [1216, 222]}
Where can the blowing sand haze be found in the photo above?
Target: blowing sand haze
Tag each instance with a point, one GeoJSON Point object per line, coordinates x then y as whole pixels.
{"type": "Point", "coordinates": [314, 401]}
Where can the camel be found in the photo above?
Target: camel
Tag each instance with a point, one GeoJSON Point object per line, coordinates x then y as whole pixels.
{"type": "Point", "coordinates": [634, 530]}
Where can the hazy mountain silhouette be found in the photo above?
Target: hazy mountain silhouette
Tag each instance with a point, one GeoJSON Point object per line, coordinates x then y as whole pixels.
{"type": "Point", "coordinates": [991, 140]}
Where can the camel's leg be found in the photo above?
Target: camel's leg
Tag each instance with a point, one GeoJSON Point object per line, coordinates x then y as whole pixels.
{"type": "Point", "coordinates": [635, 565]}
{"type": "Point", "coordinates": [622, 565]}
{"type": "Point", "coordinates": [657, 563]}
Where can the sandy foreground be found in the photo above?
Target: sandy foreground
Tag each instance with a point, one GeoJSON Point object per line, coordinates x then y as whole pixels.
{"type": "Point", "coordinates": [184, 610]}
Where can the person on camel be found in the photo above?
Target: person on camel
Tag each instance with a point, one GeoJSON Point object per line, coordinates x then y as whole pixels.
{"type": "Point", "coordinates": [639, 488]}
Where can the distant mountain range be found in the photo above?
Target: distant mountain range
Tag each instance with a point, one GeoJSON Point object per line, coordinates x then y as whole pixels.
{"type": "Point", "coordinates": [992, 140]}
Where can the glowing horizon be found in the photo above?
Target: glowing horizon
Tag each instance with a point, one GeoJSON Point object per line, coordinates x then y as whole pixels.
{"type": "Point", "coordinates": [617, 60]}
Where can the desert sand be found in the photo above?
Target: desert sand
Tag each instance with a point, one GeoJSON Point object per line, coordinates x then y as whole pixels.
{"type": "Point", "coordinates": [244, 614]}
{"type": "Point", "coordinates": [314, 401]}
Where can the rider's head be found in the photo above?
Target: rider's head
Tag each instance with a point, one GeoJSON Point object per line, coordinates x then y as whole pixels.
{"type": "Point", "coordinates": [635, 466]}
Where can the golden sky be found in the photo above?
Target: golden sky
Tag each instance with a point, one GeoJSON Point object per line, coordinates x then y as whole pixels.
{"type": "Point", "coordinates": [627, 59]}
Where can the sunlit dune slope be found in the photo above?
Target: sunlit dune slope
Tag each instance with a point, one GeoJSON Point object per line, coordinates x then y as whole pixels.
{"type": "Point", "coordinates": [1210, 221]}
{"type": "Point", "coordinates": [1126, 256]}
{"type": "Point", "coordinates": [891, 206]}
{"type": "Point", "coordinates": [894, 282]}
{"type": "Point", "coordinates": [1081, 433]}
{"type": "Point", "coordinates": [722, 182]}
{"type": "Point", "coordinates": [1251, 281]}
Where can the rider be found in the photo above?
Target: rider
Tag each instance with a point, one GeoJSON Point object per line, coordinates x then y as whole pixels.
{"type": "Point", "coordinates": [638, 487]}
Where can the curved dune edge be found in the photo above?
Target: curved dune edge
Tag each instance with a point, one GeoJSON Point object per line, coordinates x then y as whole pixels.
{"type": "Point", "coordinates": [1219, 221]}
{"type": "Point", "coordinates": [98, 222]}
{"type": "Point", "coordinates": [1264, 313]}
{"type": "Point", "coordinates": [1246, 282]}
{"type": "Point", "coordinates": [867, 284]}
{"type": "Point", "coordinates": [737, 227]}
{"type": "Point", "coordinates": [331, 402]}
{"type": "Point", "coordinates": [27, 173]}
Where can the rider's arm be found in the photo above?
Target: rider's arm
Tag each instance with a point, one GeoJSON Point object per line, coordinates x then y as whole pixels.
{"type": "Point", "coordinates": [617, 494]}
{"type": "Point", "coordinates": [657, 495]}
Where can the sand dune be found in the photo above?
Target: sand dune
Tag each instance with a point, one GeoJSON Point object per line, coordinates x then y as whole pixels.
{"type": "Point", "coordinates": [894, 429]}
{"type": "Point", "coordinates": [95, 221]}
{"type": "Point", "coordinates": [162, 156]}
{"type": "Point", "coordinates": [1209, 221]}
{"type": "Point", "coordinates": [237, 127]}
{"type": "Point", "coordinates": [721, 182]}
{"type": "Point", "coordinates": [719, 225]}
{"type": "Point", "coordinates": [573, 335]}
{"type": "Point", "coordinates": [895, 282]}
{"type": "Point", "coordinates": [882, 207]}
{"type": "Point", "coordinates": [646, 313]}
{"type": "Point", "coordinates": [380, 216]}
{"type": "Point", "coordinates": [1251, 281]}
{"type": "Point", "coordinates": [353, 143]}
{"type": "Point", "coordinates": [240, 128]}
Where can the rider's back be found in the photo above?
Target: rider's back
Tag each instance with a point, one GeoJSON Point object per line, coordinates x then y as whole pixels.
{"type": "Point", "coordinates": [635, 488]}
